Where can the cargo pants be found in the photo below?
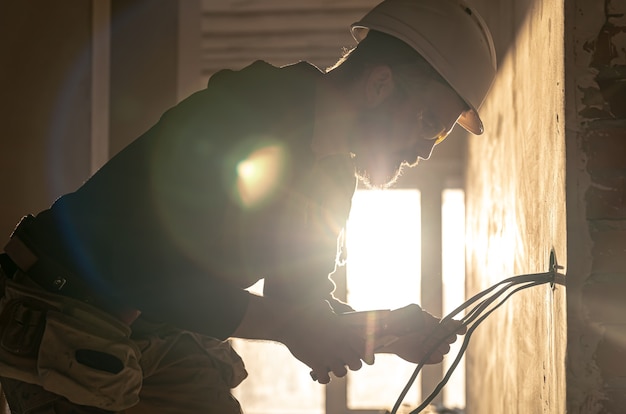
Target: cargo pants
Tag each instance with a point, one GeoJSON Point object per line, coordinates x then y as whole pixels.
{"type": "Point", "coordinates": [163, 370]}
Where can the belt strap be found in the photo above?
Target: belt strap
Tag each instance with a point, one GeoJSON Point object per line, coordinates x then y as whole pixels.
{"type": "Point", "coordinates": [46, 272]}
{"type": "Point", "coordinates": [54, 277]}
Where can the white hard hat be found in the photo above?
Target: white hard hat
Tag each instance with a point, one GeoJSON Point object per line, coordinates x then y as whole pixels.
{"type": "Point", "coordinates": [451, 36]}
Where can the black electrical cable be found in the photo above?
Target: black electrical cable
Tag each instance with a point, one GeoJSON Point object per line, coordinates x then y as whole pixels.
{"type": "Point", "coordinates": [513, 280]}
{"type": "Point", "coordinates": [467, 319]}
{"type": "Point", "coordinates": [463, 348]}
{"type": "Point", "coordinates": [474, 316]}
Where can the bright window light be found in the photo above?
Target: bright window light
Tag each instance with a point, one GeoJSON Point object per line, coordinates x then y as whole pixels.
{"type": "Point", "coordinates": [453, 275]}
{"type": "Point", "coordinates": [384, 263]}
{"type": "Point", "coordinates": [277, 383]}
{"type": "Point", "coordinates": [384, 243]}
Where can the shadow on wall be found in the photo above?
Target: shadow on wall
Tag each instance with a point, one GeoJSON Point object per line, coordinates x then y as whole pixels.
{"type": "Point", "coordinates": [504, 22]}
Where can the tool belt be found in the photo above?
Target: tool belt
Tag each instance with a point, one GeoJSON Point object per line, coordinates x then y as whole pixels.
{"type": "Point", "coordinates": [68, 347]}
{"type": "Point", "coordinates": [55, 332]}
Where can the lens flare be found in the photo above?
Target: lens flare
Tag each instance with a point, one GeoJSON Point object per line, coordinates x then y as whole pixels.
{"type": "Point", "coordinates": [259, 174]}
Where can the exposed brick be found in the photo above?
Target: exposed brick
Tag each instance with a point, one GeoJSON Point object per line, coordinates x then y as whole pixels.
{"type": "Point", "coordinates": [605, 51]}
{"type": "Point", "coordinates": [614, 92]}
{"type": "Point", "coordinates": [615, 8]}
{"type": "Point", "coordinates": [606, 196]}
{"type": "Point", "coordinates": [590, 112]}
{"type": "Point", "coordinates": [609, 252]}
{"type": "Point", "coordinates": [615, 400]}
{"type": "Point", "coordinates": [611, 354]}
{"type": "Point", "coordinates": [610, 357]}
{"type": "Point", "coordinates": [607, 225]}
{"type": "Point", "coordinates": [608, 59]}
{"type": "Point", "coordinates": [606, 302]}
{"type": "Point", "coordinates": [605, 147]}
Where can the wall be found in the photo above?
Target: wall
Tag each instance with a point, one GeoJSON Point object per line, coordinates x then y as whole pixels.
{"type": "Point", "coordinates": [46, 78]}
{"type": "Point", "coordinates": [516, 213]}
{"type": "Point", "coordinates": [45, 106]}
{"type": "Point", "coordinates": [144, 64]}
{"type": "Point", "coordinates": [596, 186]}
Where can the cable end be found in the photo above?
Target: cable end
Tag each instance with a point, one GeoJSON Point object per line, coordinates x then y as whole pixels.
{"type": "Point", "coordinates": [557, 278]}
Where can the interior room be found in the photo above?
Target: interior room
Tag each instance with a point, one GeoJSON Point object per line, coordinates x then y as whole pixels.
{"type": "Point", "coordinates": [543, 189]}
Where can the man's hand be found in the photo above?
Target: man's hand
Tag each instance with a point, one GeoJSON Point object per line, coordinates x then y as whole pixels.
{"type": "Point", "coordinates": [313, 333]}
{"type": "Point", "coordinates": [320, 339]}
{"type": "Point", "coordinates": [418, 332]}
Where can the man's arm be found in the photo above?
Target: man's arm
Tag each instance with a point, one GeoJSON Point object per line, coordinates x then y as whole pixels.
{"type": "Point", "coordinates": [313, 333]}
{"type": "Point", "coordinates": [310, 242]}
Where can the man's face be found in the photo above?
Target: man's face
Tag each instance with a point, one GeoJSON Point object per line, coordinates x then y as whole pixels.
{"type": "Point", "coordinates": [402, 130]}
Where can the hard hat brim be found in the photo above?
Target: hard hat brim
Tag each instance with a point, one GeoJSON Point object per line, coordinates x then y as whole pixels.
{"type": "Point", "coordinates": [471, 122]}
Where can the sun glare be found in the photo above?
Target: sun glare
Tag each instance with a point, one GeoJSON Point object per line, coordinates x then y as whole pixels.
{"type": "Point", "coordinates": [259, 175]}
{"type": "Point", "coordinates": [383, 241]}
{"type": "Point", "coordinates": [453, 275]}
{"type": "Point", "coordinates": [383, 272]}
{"type": "Point", "coordinates": [384, 264]}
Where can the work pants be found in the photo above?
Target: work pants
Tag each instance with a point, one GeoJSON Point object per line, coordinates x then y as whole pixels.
{"type": "Point", "coordinates": [183, 373]}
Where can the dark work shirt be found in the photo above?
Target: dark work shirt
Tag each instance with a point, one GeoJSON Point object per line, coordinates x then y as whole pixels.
{"type": "Point", "coordinates": [224, 190]}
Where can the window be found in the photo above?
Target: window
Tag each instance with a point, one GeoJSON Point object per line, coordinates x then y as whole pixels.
{"type": "Point", "coordinates": [384, 239]}
{"type": "Point", "coordinates": [277, 382]}
{"type": "Point", "coordinates": [453, 279]}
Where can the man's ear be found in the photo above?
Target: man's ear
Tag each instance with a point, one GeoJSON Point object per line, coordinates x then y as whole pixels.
{"type": "Point", "coordinates": [379, 85]}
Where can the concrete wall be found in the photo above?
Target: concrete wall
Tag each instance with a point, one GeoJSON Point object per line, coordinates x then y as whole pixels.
{"type": "Point", "coordinates": [47, 84]}
{"type": "Point", "coordinates": [144, 64]}
{"type": "Point", "coordinates": [596, 187]}
{"type": "Point", "coordinates": [45, 108]}
{"type": "Point", "coordinates": [516, 213]}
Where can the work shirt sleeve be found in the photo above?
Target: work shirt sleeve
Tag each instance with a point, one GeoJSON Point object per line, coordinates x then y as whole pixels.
{"type": "Point", "coordinates": [310, 250]}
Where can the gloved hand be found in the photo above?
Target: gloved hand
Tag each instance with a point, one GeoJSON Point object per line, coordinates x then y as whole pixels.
{"type": "Point", "coordinates": [417, 332]}
{"type": "Point", "coordinates": [320, 339]}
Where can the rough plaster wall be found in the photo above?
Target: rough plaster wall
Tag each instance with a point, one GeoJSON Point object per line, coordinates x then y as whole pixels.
{"type": "Point", "coordinates": [516, 214]}
{"type": "Point", "coordinates": [596, 171]}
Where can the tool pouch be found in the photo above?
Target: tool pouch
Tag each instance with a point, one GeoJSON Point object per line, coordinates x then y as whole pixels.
{"type": "Point", "coordinates": [68, 347]}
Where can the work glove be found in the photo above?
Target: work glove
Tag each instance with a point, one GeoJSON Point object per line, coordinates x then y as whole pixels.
{"type": "Point", "coordinates": [416, 333]}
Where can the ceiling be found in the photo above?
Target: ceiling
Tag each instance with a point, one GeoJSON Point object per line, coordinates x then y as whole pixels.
{"type": "Point", "coordinates": [237, 32]}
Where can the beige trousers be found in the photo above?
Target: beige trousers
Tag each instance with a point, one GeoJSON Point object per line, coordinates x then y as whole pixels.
{"type": "Point", "coordinates": [183, 373]}
{"type": "Point", "coordinates": [186, 373]}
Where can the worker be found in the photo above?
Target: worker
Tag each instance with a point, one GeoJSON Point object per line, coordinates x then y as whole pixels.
{"type": "Point", "coordinates": [121, 296]}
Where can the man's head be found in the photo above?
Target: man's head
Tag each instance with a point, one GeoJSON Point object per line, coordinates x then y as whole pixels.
{"type": "Point", "coordinates": [406, 107]}
{"type": "Point", "coordinates": [423, 66]}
